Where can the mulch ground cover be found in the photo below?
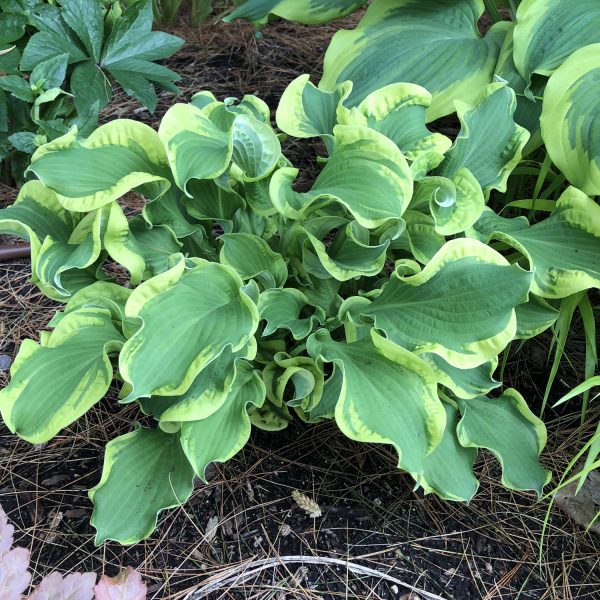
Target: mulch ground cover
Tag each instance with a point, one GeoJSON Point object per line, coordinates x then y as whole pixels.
{"type": "Point", "coordinates": [241, 535]}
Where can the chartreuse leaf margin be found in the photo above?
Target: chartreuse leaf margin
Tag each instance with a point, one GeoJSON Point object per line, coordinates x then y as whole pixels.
{"type": "Point", "coordinates": [383, 49]}
{"type": "Point", "coordinates": [310, 12]}
{"type": "Point", "coordinates": [569, 118]}
{"type": "Point", "coordinates": [380, 294]}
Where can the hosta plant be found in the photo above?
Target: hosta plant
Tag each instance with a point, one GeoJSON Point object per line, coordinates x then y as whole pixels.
{"type": "Point", "coordinates": [310, 12]}
{"type": "Point", "coordinates": [379, 297]}
{"type": "Point", "coordinates": [59, 63]}
{"type": "Point", "coordinates": [167, 12]}
{"type": "Point", "coordinates": [526, 51]}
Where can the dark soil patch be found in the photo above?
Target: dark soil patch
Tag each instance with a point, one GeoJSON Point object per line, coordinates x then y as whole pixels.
{"type": "Point", "coordinates": [371, 515]}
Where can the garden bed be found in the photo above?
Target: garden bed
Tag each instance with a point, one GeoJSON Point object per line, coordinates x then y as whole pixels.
{"type": "Point", "coordinates": [371, 517]}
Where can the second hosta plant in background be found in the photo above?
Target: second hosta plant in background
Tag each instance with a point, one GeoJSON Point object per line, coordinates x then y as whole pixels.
{"type": "Point", "coordinates": [379, 297]}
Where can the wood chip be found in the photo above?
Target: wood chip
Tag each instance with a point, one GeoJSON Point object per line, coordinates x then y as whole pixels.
{"type": "Point", "coordinates": [54, 480]}
{"type": "Point", "coordinates": [212, 528]}
{"type": "Point", "coordinates": [582, 507]}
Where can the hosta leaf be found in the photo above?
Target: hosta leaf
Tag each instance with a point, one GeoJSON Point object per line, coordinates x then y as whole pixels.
{"type": "Point", "coordinates": [162, 358]}
{"type": "Point", "coordinates": [249, 105]}
{"type": "Point", "coordinates": [258, 197]}
{"type": "Point", "coordinates": [306, 111]}
{"type": "Point", "coordinates": [381, 50]}
{"type": "Point", "coordinates": [209, 390]}
{"type": "Point", "coordinates": [515, 436]}
{"type": "Point", "coordinates": [399, 112]}
{"type": "Point", "coordinates": [144, 472]}
{"type": "Point", "coordinates": [128, 585]}
{"type": "Point", "coordinates": [57, 261]}
{"type": "Point", "coordinates": [37, 214]}
{"type": "Point", "coordinates": [71, 371]}
{"type": "Point", "coordinates": [388, 396]}
{"type": "Point", "coordinates": [224, 433]}
{"type": "Point", "coordinates": [455, 204]}
{"type": "Point", "coordinates": [465, 383]}
{"type": "Point", "coordinates": [249, 222]}
{"type": "Point", "coordinates": [295, 381]}
{"type": "Point", "coordinates": [490, 143]}
{"type": "Point", "coordinates": [283, 309]}
{"type": "Point", "coordinates": [187, 133]}
{"type": "Point", "coordinates": [366, 174]}
{"type": "Point", "coordinates": [562, 249]}
{"type": "Point", "coordinates": [14, 576]}
{"type": "Point", "coordinates": [170, 210]}
{"type": "Point", "coordinates": [460, 307]}
{"type": "Point", "coordinates": [140, 249]}
{"type": "Point", "coordinates": [101, 294]}
{"type": "Point", "coordinates": [420, 238]}
{"type": "Point", "coordinates": [325, 409]}
{"type": "Point", "coordinates": [548, 31]}
{"type": "Point", "coordinates": [270, 417]}
{"type": "Point", "coordinates": [310, 12]}
{"type": "Point", "coordinates": [529, 107]}
{"type": "Point", "coordinates": [256, 148]}
{"type": "Point", "coordinates": [534, 316]}
{"type": "Point", "coordinates": [211, 201]}
{"type": "Point", "coordinates": [251, 257]}
{"type": "Point", "coordinates": [116, 158]}
{"type": "Point", "coordinates": [570, 118]}
{"type": "Point", "coordinates": [349, 255]}
{"type": "Point", "coordinates": [448, 470]}
{"type": "Point", "coordinates": [75, 586]}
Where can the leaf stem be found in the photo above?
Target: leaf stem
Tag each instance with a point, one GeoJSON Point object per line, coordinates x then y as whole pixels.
{"type": "Point", "coordinates": [492, 10]}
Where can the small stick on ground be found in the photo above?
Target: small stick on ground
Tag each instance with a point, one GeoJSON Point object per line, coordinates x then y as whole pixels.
{"type": "Point", "coordinates": [254, 567]}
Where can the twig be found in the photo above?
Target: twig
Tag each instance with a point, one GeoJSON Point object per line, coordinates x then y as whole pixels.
{"type": "Point", "coordinates": [235, 575]}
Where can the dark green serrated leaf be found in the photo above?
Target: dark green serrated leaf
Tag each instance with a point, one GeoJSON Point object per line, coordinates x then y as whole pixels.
{"type": "Point", "coordinates": [85, 19]}
{"type": "Point", "coordinates": [17, 86]}
{"type": "Point", "coordinates": [89, 85]}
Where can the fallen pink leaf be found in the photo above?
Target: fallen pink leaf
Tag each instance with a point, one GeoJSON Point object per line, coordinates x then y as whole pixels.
{"type": "Point", "coordinates": [76, 586]}
{"type": "Point", "coordinates": [6, 533]}
{"type": "Point", "coordinates": [128, 585]}
{"type": "Point", "coordinates": [14, 576]}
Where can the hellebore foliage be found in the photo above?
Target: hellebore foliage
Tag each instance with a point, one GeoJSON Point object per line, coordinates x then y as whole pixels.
{"type": "Point", "coordinates": [379, 296]}
{"type": "Point", "coordinates": [58, 65]}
